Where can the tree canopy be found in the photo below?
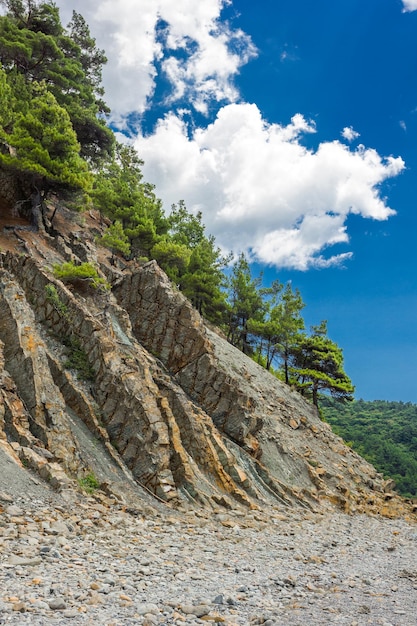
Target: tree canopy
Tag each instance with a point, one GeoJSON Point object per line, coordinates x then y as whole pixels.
{"type": "Point", "coordinates": [318, 366]}
{"type": "Point", "coordinates": [384, 433]}
{"type": "Point", "coordinates": [43, 146]}
{"type": "Point", "coordinates": [35, 46]}
{"type": "Point", "coordinates": [246, 304]}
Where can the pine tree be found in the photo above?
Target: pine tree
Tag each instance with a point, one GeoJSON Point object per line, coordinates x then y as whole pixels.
{"type": "Point", "coordinates": [246, 304]}
{"type": "Point", "coordinates": [318, 366]}
{"type": "Point", "coordinates": [204, 279]}
{"type": "Point", "coordinates": [42, 150]}
{"type": "Point", "coordinates": [120, 193]}
{"type": "Point", "coordinates": [34, 44]}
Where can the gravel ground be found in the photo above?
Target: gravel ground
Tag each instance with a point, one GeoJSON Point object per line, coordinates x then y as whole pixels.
{"type": "Point", "coordinates": [80, 561]}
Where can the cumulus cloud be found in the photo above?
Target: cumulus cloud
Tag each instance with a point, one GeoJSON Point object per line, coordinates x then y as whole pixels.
{"type": "Point", "coordinates": [349, 134]}
{"type": "Point", "coordinates": [186, 41]}
{"type": "Point", "coordinates": [410, 5]}
{"type": "Point", "coordinates": [261, 191]}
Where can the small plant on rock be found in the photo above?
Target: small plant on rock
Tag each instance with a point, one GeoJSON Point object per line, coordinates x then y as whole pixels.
{"type": "Point", "coordinates": [84, 274]}
{"type": "Point", "coordinates": [53, 297]}
{"type": "Point", "coordinates": [77, 359]}
{"type": "Point", "coordinates": [89, 483]}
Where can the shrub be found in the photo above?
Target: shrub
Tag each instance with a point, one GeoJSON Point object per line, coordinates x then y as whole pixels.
{"type": "Point", "coordinates": [85, 273]}
{"type": "Point", "coordinates": [78, 360]}
{"type": "Point", "coordinates": [53, 297]}
{"type": "Point", "coordinates": [89, 483]}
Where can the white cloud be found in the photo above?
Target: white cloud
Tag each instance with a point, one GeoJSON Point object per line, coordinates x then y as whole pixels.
{"type": "Point", "coordinates": [410, 5]}
{"type": "Point", "coordinates": [349, 134]}
{"type": "Point", "coordinates": [260, 190]}
{"type": "Point", "coordinates": [199, 54]}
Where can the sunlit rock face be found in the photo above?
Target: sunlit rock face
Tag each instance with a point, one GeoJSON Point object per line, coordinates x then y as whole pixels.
{"type": "Point", "coordinates": [169, 412]}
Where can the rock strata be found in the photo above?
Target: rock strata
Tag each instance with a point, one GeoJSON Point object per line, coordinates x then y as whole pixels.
{"type": "Point", "coordinates": [169, 414]}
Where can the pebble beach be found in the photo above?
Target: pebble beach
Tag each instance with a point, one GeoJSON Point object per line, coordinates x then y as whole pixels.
{"type": "Point", "coordinates": [85, 562]}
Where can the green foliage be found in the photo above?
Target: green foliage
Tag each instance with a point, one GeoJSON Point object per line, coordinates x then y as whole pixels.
{"type": "Point", "coordinates": [246, 304]}
{"type": "Point", "coordinates": [34, 44]}
{"type": "Point", "coordinates": [115, 239]}
{"type": "Point", "coordinates": [172, 257]}
{"type": "Point", "coordinates": [384, 433]}
{"type": "Point", "coordinates": [121, 195]}
{"type": "Point", "coordinates": [53, 297]}
{"type": "Point", "coordinates": [44, 146]}
{"type": "Point", "coordinates": [280, 330]}
{"type": "Point", "coordinates": [77, 359]}
{"type": "Point", "coordinates": [91, 58]}
{"type": "Point", "coordinates": [318, 366]}
{"type": "Point", "coordinates": [204, 279]}
{"type": "Point", "coordinates": [184, 227]}
{"type": "Point", "coordinates": [89, 483]}
{"type": "Point", "coordinates": [77, 274]}
{"type": "Point", "coordinates": [7, 106]}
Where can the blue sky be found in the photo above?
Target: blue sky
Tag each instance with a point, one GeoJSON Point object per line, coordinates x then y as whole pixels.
{"type": "Point", "coordinates": [293, 127]}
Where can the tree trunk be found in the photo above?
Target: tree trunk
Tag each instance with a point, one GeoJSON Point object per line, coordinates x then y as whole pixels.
{"type": "Point", "coordinates": [315, 397]}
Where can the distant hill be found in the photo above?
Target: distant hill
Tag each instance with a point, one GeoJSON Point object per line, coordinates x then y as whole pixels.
{"type": "Point", "coordinates": [385, 433]}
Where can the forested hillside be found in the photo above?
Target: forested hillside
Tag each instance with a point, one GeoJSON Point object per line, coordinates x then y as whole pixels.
{"type": "Point", "coordinates": [385, 433]}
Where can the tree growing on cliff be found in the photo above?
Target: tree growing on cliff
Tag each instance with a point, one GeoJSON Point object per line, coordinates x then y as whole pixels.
{"type": "Point", "coordinates": [121, 194]}
{"type": "Point", "coordinates": [246, 304]}
{"type": "Point", "coordinates": [34, 45]}
{"type": "Point", "coordinates": [204, 280]}
{"type": "Point", "coordinates": [42, 148]}
{"type": "Point", "coordinates": [318, 366]}
{"type": "Point", "coordinates": [279, 331]}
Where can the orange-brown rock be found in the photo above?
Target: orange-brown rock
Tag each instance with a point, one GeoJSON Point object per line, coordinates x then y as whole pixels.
{"type": "Point", "coordinates": [172, 411]}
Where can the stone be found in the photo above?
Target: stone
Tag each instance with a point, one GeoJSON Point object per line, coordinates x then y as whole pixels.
{"type": "Point", "coordinates": [14, 511]}
{"type": "Point", "coordinates": [144, 609]}
{"type": "Point", "coordinates": [5, 497]}
{"type": "Point", "coordinates": [198, 610]}
{"type": "Point", "coordinates": [17, 560]}
{"type": "Point", "coordinates": [57, 604]}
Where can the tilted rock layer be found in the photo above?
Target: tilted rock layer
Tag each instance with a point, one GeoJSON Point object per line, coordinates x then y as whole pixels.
{"type": "Point", "coordinates": [170, 412]}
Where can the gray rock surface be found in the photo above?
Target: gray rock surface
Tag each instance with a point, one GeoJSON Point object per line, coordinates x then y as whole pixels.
{"type": "Point", "coordinates": [170, 413]}
{"type": "Point", "coordinates": [218, 495]}
{"type": "Point", "coordinates": [237, 568]}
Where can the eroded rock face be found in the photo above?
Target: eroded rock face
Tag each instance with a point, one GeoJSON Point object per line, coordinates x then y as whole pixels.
{"type": "Point", "coordinates": [171, 409]}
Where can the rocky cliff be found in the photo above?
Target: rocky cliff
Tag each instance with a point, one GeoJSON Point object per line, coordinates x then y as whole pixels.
{"type": "Point", "coordinates": [171, 413]}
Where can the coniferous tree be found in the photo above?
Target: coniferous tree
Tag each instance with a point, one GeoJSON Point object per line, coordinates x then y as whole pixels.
{"type": "Point", "coordinates": [318, 366]}
{"type": "Point", "coordinates": [40, 147]}
{"type": "Point", "coordinates": [288, 317]}
{"type": "Point", "coordinates": [245, 304]}
{"type": "Point", "coordinates": [278, 333]}
{"type": "Point", "coordinates": [204, 279]}
{"type": "Point", "coordinates": [120, 193]}
{"type": "Point", "coordinates": [34, 44]}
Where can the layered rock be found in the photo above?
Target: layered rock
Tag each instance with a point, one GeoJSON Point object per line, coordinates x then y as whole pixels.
{"type": "Point", "coordinates": [171, 409]}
